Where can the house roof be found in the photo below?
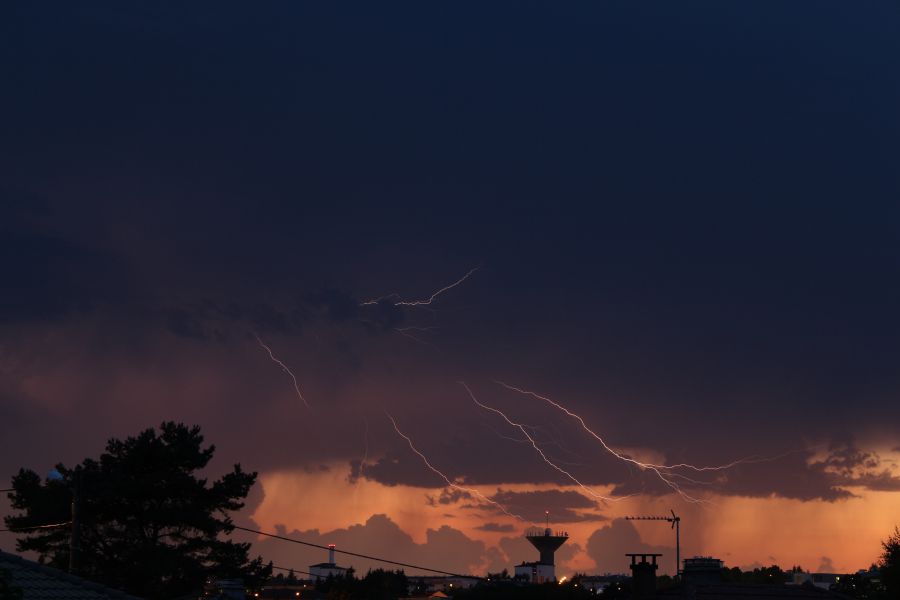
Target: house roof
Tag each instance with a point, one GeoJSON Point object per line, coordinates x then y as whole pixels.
{"type": "Point", "coordinates": [40, 582]}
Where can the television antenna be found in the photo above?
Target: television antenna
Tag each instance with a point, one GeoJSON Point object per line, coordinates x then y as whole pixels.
{"type": "Point", "coordinates": [675, 520]}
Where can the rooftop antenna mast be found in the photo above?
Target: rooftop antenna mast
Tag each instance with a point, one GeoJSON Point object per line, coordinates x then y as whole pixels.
{"type": "Point", "coordinates": [675, 520]}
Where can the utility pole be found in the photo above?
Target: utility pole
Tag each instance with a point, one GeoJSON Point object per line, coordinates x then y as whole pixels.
{"type": "Point", "coordinates": [675, 520]}
{"type": "Point", "coordinates": [74, 536]}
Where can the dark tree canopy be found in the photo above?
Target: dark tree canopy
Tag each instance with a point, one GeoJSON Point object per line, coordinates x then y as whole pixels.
{"type": "Point", "coordinates": [890, 564]}
{"type": "Point", "coordinates": [378, 584]}
{"type": "Point", "coordinates": [148, 523]}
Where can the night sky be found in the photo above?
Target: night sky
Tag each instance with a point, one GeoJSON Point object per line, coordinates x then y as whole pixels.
{"type": "Point", "coordinates": [683, 220]}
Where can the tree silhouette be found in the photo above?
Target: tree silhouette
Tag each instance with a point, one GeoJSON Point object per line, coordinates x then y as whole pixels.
{"type": "Point", "coordinates": [147, 524]}
{"type": "Point", "coordinates": [890, 564]}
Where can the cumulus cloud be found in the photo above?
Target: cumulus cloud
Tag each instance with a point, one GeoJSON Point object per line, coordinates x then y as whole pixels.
{"type": "Point", "coordinates": [563, 506]}
{"type": "Point", "coordinates": [496, 527]}
{"type": "Point", "coordinates": [445, 548]}
{"type": "Point", "coordinates": [607, 547]}
{"type": "Point", "coordinates": [826, 565]}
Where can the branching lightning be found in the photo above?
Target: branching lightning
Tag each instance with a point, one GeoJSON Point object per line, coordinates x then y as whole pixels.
{"type": "Point", "coordinates": [665, 472]}
{"type": "Point", "coordinates": [450, 483]}
{"type": "Point", "coordinates": [537, 448]}
{"type": "Point", "coordinates": [284, 367]}
{"type": "Point", "coordinates": [396, 300]}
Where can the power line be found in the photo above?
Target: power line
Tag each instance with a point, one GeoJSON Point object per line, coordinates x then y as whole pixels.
{"type": "Point", "coordinates": [356, 554]}
{"type": "Point", "coordinates": [294, 570]}
{"type": "Point", "coordinates": [52, 525]}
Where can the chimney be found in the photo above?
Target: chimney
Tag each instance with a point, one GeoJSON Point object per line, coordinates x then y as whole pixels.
{"type": "Point", "coordinates": [643, 576]}
{"type": "Point", "coordinates": [331, 554]}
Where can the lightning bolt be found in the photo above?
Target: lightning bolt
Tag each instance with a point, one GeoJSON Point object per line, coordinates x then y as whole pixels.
{"type": "Point", "coordinates": [405, 332]}
{"type": "Point", "coordinates": [749, 459]}
{"type": "Point", "coordinates": [396, 300]}
{"type": "Point", "coordinates": [363, 462]}
{"type": "Point", "coordinates": [664, 472]}
{"type": "Point", "coordinates": [455, 486]}
{"type": "Point", "coordinates": [537, 448]}
{"type": "Point", "coordinates": [550, 443]}
{"type": "Point", "coordinates": [284, 368]}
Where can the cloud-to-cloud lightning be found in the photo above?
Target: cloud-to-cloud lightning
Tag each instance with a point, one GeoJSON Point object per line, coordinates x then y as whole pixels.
{"type": "Point", "coordinates": [405, 332]}
{"type": "Point", "coordinates": [664, 472]}
{"type": "Point", "coordinates": [363, 461]}
{"type": "Point", "coordinates": [284, 367]}
{"type": "Point", "coordinates": [396, 300]}
{"type": "Point", "coordinates": [450, 483]}
{"type": "Point", "coordinates": [537, 448]}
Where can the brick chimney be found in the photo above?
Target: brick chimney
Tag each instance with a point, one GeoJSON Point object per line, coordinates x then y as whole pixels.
{"type": "Point", "coordinates": [643, 576]}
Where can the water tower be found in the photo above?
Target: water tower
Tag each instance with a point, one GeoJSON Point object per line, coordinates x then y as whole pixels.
{"type": "Point", "coordinates": [547, 543]}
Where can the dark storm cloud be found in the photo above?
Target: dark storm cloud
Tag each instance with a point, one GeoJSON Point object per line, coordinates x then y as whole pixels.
{"type": "Point", "coordinates": [563, 506]}
{"type": "Point", "coordinates": [848, 465]}
{"type": "Point", "coordinates": [496, 527]}
{"type": "Point", "coordinates": [797, 475]}
{"type": "Point", "coordinates": [883, 481]}
{"type": "Point", "coordinates": [209, 320]}
{"type": "Point", "coordinates": [398, 468]}
{"type": "Point", "coordinates": [48, 276]}
{"type": "Point", "coordinates": [336, 304]}
{"type": "Point", "coordinates": [688, 221]}
{"type": "Point", "coordinates": [448, 496]}
{"type": "Point", "coordinates": [339, 306]}
{"type": "Point", "coordinates": [845, 459]}
{"type": "Point", "coordinates": [792, 476]}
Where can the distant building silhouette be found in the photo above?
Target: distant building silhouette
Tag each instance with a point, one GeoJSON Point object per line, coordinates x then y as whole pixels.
{"type": "Point", "coordinates": [547, 543]}
{"type": "Point", "coordinates": [326, 569]}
